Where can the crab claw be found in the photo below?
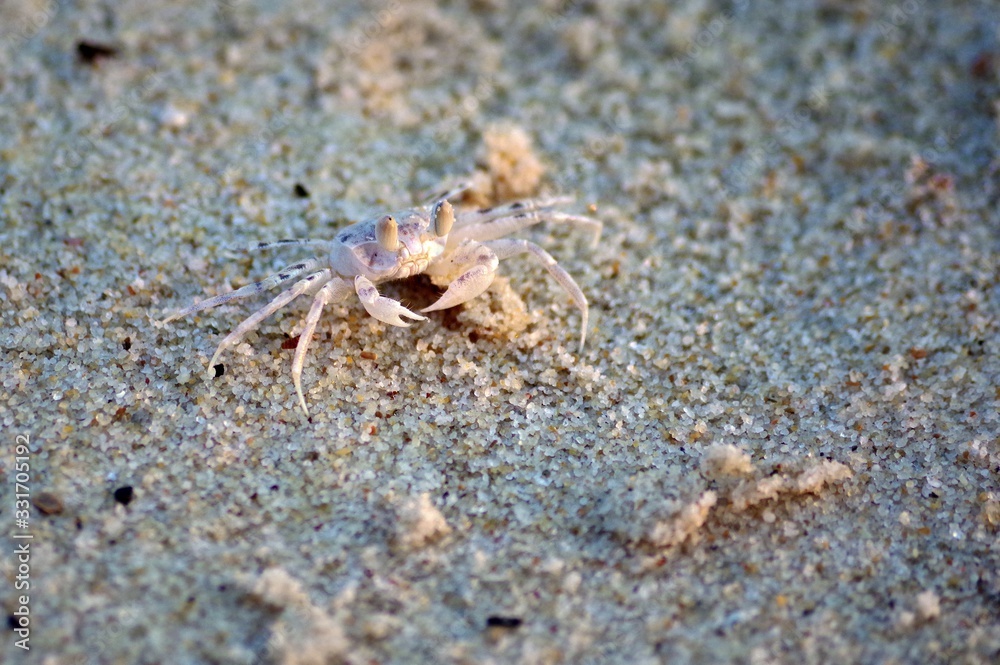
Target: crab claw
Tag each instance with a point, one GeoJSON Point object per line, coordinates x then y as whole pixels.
{"type": "Point", "coordinates": [384, 309]}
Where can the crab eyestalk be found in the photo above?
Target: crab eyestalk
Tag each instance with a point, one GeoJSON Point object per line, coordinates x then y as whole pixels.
{"type": "Point", "coordinates": [387, 233]}
{"type": "Point", "coordinates": [443, 216]}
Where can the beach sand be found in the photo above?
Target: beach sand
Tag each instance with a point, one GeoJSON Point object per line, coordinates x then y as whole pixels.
{"type": "Point", "coordinates": [779, 445]}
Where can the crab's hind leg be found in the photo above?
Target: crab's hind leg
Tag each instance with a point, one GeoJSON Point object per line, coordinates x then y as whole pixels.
{"type": "Point", "coordinates": [333, 291]}
{"type": "Point", "coordinates": [289, 242]}
{"type": "Point", "coordinates": [448, 193]}
{"type": "Point", "coordinates": [492, 229]}
{"type": "Point", "coordinates": [476, 266]}
{"type": "Point", "coordinates": [511, 247]}
{"type": "Point", "coordinates": [471, 217]}
{"type": "Point", "coordinates": [384, 309]}
{"type": "Point", "coordinates": [288, 295]}
{"type": "Point", "coordinates": [277, 279]}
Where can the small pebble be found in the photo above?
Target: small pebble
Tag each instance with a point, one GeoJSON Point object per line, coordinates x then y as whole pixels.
{"type": "Point", "coordinates": [123, 495]}
{"type": "Point", "coordinates": [48, 503]}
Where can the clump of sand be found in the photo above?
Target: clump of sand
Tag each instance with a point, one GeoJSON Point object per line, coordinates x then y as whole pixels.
{"type": "Point", "coordinates": [507, 167]}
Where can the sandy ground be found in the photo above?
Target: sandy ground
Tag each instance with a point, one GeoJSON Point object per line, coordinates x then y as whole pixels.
{"type": "Point", "coordinates": [780, 444]}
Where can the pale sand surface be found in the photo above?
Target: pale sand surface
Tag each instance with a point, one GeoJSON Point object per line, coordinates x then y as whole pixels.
{"type": "Point", "coordinates": [780, 444]}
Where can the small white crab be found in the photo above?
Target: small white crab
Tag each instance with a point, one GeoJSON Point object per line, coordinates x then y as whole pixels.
{"type": "Point", "coordinates": [461, 249]}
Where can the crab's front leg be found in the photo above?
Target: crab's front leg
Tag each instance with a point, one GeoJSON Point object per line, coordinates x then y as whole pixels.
{"type": "Point", "coordinates": [384, 309]}
{"type": "Point", "coordinates": [251, 322]}
{"type": "Point", "coordinates": [335, 290]}
{"type": "Point", "coordinates": [511, 246]}
{"type": "Point", "coordinates": [476, 266]}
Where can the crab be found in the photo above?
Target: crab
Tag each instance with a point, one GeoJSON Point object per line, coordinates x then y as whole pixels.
{"type": "Point", "coordinates": [461, 249]}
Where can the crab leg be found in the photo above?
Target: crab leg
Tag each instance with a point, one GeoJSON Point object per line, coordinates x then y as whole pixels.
{"type": "Point", "coordinates": [492, 229]}
{"type": "Point", "coordinates": [285, 243]}
{"type": "Point", "coordinates": [510, 209]}
{"type": "Point", "coordinates": [249, 290]}
{"type": "Point", "coordinates": [448, 193]}
{"type": "Point", "coordinates": [511, 247]}
{"type": "Point", "coordinates": [333, 291]}
{"type": "Point", "coordinates": [255, 319]}
{"type": "Point", "coordinates": [471, 281]}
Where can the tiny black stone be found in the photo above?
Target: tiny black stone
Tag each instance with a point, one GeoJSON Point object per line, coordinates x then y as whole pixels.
{"type": "Point", "coordinates": [127, 344]}
{"type": "Point", "coordinates": [220, 369]}
{"type": "Point", "coordinates": [12, 621]}
{"type": "Point", "coordinates": [91, 52]}
{"type": "Point", "coordinates": [503, 622]}
{"type": "Point", "coordinates": [123, 495]}
{"type": "Point", "coordinates": [301, 191]}
{"type": "Point", "coordinates": [515, 206]}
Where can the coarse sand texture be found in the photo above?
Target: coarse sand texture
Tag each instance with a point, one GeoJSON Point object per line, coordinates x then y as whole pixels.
{"type": "Point", "coordinates": [779, 444]}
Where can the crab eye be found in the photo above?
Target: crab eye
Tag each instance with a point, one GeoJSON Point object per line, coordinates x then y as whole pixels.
{"type": "Point", "coordinates": [443, 217]}
{"type": "Point", "coordinates": [387, 233]}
